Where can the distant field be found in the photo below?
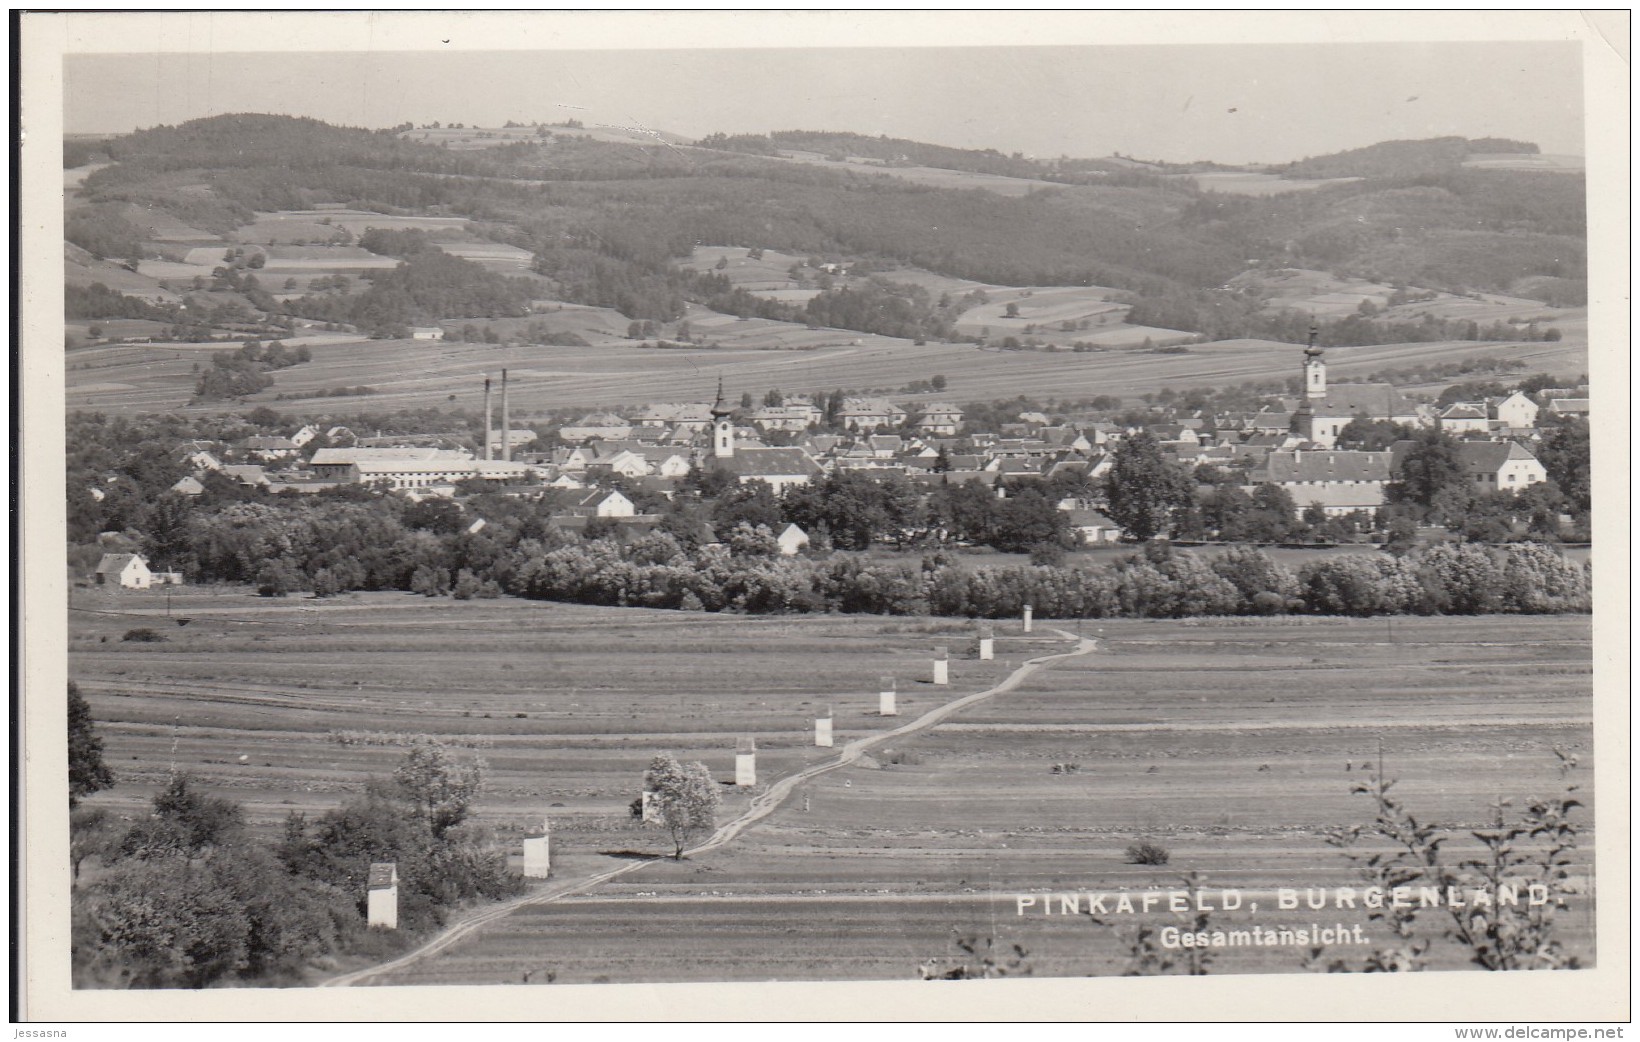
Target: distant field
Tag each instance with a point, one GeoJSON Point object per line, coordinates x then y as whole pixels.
{"type": "Point", "coordinates": [1526, 161]}
{"type": "Point", "coordinates": [80, 270]}
{"type": "Point", "coordinates": [498, 257]}
{"type": "Point", "coordinates": [74, 177]}
{"type": "Point", "coordinates": [490, 137]}
{"type": "Point", "coordinates": [1242, 183]}
{"type": "Point", "coordinates": [422, 373]}
{"type": "Point", "coordinates": [1332, 296]}
{"type": "Point", "coordinates": [934, 177]}
{"type": "Point", "coordinates": [287, 226]}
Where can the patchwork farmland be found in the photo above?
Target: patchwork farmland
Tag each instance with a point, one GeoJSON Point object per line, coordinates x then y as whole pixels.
{"type": "Point", "coordinates": [416, 374]}
{"type": "Point", "coordinates": [1039, 789]}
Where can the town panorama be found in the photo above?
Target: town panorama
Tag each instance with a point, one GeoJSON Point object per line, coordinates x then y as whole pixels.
{"type": "Point", "coordinates": [552, 553]}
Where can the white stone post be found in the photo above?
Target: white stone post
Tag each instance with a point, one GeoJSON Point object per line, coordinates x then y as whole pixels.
{"type": "Point", "coordinates": [822, 730]}
{"type": "Point", "coordinates": [538, 853]}
{"type": "Point", "coordinates": [885, 701]}
{"type": "Point", "coordinates": [987, 644]}
{"type": "Point", "coordinates": [382, 895]}
{"type": "Point", "coordinates": [1027, 618]}
{"type": "Point", "coordinates": [745, 762]}
{"type": "Point", "coordinates": [942, 674]}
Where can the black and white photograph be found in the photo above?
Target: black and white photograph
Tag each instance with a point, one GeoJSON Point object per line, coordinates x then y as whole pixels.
{"type": "Point", "coordinates": [998, 504]}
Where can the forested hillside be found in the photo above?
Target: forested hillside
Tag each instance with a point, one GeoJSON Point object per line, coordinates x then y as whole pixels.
{"type": "Point", "coordinates": [608, 222]}
{"type": "Point", "coordinates": [1404, 158]}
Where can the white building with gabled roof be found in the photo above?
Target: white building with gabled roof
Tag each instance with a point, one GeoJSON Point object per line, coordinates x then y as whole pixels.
{"type": "Point", "coordinates": [127, 571]}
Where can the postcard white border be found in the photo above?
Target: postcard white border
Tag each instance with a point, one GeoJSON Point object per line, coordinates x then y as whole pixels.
{"type": "Point", "coordinates": [1595, 995]}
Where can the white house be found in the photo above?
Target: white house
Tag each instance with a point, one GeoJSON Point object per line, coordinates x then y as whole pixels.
{"type": "Point", "coordinates": [129, 571]}
{"type": "Point", "coordinates": [791, 540]}
{"type": "Point", "coordinates": [625, 462]}
{"type": "Point", "coordinates": [1500, 465]}
{"type": "Point", "coordinates": [426, 333]}
{"type": "Point", "coordinates": [864, 414]}
{"type": "Point", "coordinates": [1516, 411]}
{"type": "Point", "coordinates": [1093, 526]}
{"type": "Point", "coordinates": [675, 465]}
{"type": "Point", "coordinates": [940, 418]}
{"type": "Point", "coordinates": [604, 504]}
{"type": "Point", "coordinates": [1464, 418]}
{"type": "Point", "coordinates": [202, 460]}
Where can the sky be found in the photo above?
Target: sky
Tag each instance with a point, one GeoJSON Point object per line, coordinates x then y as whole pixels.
{"type": "Point", "coordinates": [1231, 102]}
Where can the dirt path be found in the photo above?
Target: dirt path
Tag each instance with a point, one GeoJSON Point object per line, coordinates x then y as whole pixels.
{"type": "Point", "coordinates": [762, 806]}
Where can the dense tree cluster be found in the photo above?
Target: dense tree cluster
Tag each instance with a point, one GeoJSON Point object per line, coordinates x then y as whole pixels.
{"type": "Point", "coordinates": [239, 374]}
{"type": "Point", "coordinates": [427, 286]}
{"type": "Point", "coordinates": [187, 898]}
{"type": "Point", "coordinates": [1404, 158]}
{"type": "Point", "coordinates": [104, 232]}
{"type": "Point", "coordinates": [884, 307]}
{"type": "Point", "coordinates": [98, 301]}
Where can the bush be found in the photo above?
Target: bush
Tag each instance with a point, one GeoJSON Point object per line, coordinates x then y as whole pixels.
{"type": "Point", "coordinates": [1050, 555]}
{"type": "Point", "coordinates": [144, 636]}
{"type": "Point", "coordinates": [1147, 853]}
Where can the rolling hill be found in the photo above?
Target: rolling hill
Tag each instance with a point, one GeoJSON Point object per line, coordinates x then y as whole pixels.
{"type": "Point", "coordinates": [603, 221]}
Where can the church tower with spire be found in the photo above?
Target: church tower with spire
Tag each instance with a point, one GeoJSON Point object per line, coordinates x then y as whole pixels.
{"type": "Point", "coordinates": [723, 428]}
{"type": "Point", "coordinates": [1315, 370]}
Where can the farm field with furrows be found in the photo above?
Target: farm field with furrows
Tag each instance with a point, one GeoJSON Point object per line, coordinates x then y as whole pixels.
{"type": "Point", "coordinates": [414, 374]}
{"type": "Point", "coordinates": [566, 703]}
{"type": "Point", "coordinates": [870, 868]}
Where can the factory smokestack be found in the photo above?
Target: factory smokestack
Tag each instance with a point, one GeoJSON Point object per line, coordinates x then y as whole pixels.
{"type": "Point", "coordinates": [506, 422]}
{"type": "Point", "coordinates": [489, 430]}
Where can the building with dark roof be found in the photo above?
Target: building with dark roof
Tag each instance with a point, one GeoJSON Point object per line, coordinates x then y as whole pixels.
{"type": "Point", "coordinates": [1324, 411]}
{"type": "Point", "coordinates": [779, 468]}
{"type": "Point", "coordinates": [1339, 481]}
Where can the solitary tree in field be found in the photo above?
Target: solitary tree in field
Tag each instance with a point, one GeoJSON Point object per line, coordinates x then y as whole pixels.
{"type": "Point", "coordinates": [684, 798]}
{"type": "Point", "coordinates": [440, 787]}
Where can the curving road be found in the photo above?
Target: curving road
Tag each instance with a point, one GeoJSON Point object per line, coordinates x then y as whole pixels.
{"type": "Point", "coordinates": [762, 805]}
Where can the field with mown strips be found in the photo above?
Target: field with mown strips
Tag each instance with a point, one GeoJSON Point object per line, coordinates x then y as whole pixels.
{"type": "Point", "coordinates": [1233, 743]}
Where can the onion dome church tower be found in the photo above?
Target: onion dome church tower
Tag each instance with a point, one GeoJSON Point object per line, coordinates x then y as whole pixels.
{"type": "Point", "coordinates": [723, 428]}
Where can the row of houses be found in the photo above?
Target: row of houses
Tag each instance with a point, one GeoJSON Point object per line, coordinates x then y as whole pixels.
{"type": "Point", "coordinates": [680, 422]}
{"type": "Point", "coordinates": [1291, 444]}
